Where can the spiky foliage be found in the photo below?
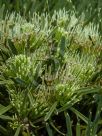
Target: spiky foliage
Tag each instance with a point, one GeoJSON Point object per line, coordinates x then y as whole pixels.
{"type": "Point", "coordinates": [92, 10]}
{"type": "Point", "coordinates": [47, 65]}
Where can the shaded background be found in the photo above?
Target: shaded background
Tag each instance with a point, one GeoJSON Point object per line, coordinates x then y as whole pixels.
{"type": "Point", "coordinates": [91, 8]}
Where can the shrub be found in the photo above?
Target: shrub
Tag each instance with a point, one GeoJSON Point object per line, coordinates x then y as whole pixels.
{"type": "Point", "coordinates": [48, 65]}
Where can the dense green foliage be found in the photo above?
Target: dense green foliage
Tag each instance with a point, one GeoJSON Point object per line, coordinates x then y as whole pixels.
{"type": "Point", "coordinates": [50, 69]}
{"type": "Point", "coordinates": [92, 9]}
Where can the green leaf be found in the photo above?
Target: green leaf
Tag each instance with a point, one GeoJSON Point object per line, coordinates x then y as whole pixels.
{"type": "Point", "coordinates": [31, 99]}
{"type": "Point", "coordinates": [81, 116]}
{"type": "Point", "coordinates": [84, 91]}
{"type": "Point", "coordinates": [48, 115]}
{"type": "Point", "coordinates": [3, 82]}
{"type": "Point", "coordinates": [88, 129]}
{"type": "Point", "coordinates": [49, 130]}
{"type": "Point", "coordinates": [1, 106]}
{"type": "Point", "coordinates": [97, 117]}
{"type": "Point", "coordinates": [68, 124]}
{"type": "Point", "coordinates": [66, 106]}
{"type": "Point", "coordinates": [56, 129]}
{"type": "Point", "coordinates": [2, 11]}
{"type": "Point", "coordinates": [89, 20]}
{"type": "Point", "coordinates": [62, 46]}
{"type": "Point", "coordinates": [3, 131]}
{"type": "Point", "coordinates": [5, 117]}
{"type": "Point", "coordinates": [78, 130]}
{"type": "Point", "coordinates": [5, 109]}
{"type": "Point", "coordinates": [3, 49]}
{"type": "Point", "coordinates": [17, 131]}
{"type": "Point", "coordinates": [19, 81]}
{"type": "Point", "coordinates": [4, 55]}
{"type": "Point", "coordinates": [12, 47]}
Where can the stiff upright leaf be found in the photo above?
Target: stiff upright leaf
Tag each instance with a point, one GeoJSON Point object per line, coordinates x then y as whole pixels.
{"type": "Point", "coordinates": [78, 130]}
{"type": "Point", "coordinates": [31, 99]}
{"type": "Point", "coordinates": [62, 46]}
{"type": "Point", "coordinates": [88, 128]}
{"type": "Point", "coordinates": [68, 124]}
{"type": "Point", "coordinates": [50, 111]}
{"type": "Point", "coordinates": [49, 130]}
